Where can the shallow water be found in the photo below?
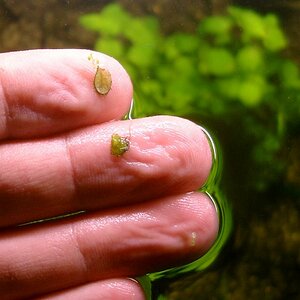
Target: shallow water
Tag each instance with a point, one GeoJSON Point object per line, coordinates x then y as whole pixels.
{"type": "Point", "coordinates": [155, 283]}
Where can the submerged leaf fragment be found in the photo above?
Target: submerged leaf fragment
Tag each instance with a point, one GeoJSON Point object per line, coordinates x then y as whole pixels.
{"type": "Point", "coordinates": [102, 81]}
{"type": "Point", "coordinates": [119, 144]}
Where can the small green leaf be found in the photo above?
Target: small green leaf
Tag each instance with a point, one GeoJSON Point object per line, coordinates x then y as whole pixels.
{"type": "Point", "coordinates": [251, 91]}
{"type": "Point", "coordinates": [151, 87]}
{"type": "Point", "coordinates": [290, 75]}
{"type": "Point", "coordinates": [251, 23]}
{"type": "Point", "coordinates": [110, 46]}
{"type": "Point", "coordinates": [184, 43]}
{"type": "Point", "coordinates": [181, 94]}
{"type": "Point", "coordinates": [109, 21]}
{"type": "Point", "coordinates": [171, 52]}
{"type": "Point", "coordinates": [215, 25]}
{"type": "Point", "coordinates": [249, 58]}
{"type": "Point", "coordinates": [184, 66]}
{"type": "Point", "coordinates": [218, 28]}
{"type": "Point", "coordinates": [142, 31]}
{"type": "Point", "coordinates": [115, 13]}
{"type": "Point", "coordinates": [228, 87]}
{"type": "Point", "coordinates": [216, 61]}
{"type": "Point", "coordinates": [91, 21]}
{"type": "Point", "coordinates": [142, 56]}
{"type": "Point", "coordinates": [119, 145]}
{"type": "Point", "coordinates": [275, 39]}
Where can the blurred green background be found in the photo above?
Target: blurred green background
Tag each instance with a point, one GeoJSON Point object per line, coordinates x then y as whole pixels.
{"type": "Point", "coordinates": [231, 66]}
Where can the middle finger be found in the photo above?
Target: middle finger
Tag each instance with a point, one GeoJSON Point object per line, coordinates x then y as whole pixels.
{"type": "Point", "coordinates": [78, 172]}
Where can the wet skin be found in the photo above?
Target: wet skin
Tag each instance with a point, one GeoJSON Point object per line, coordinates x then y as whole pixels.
{"type": "Point", "coordinates": [142, 211]}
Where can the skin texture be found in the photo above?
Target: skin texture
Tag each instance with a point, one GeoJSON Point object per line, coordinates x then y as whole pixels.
{"type": "Point", "coordinates": [142, 213]}
{"type": "Point", "coordinates": [114, 289]}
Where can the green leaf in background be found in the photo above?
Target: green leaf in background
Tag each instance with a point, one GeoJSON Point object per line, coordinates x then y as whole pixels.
{"type": "Point", "coordinates": [249, 59]}
{"type": "Point", "coordinates": [228, 87]}
{"type": "Point", "coordinates": [142, 56]}
{"type": "Point", "coordinates": [91, 22]}
{"type": "Point", "coordinates": [171, 51]}
{"type": "Point", "coordinates": [230, 67]}
{"type": "Point", "coordinates": [183, 42]}
{"type": "Point", "coordinates": [216, 61]}
{"type": "Point", "coordinates": [250, 23]}
{"type": "Point", "coordinates": [290, 75]}
{"type": "Point", "coordinates": [184, 67]}
{"type": "Point", "coordinates": [142, 31]}
{"type": "Point", "coordinates": [110, 21]}
{"type": "Point", "coordinates": [275, 39]}
{"type": "Point", "coordinates": [110, 45]}
{"type": "Point", "coordinates": [251, 91]}
{"type": "Point", "coordinates": [181, 94]}
{"type": "Point", "coordinates": [218, 27]}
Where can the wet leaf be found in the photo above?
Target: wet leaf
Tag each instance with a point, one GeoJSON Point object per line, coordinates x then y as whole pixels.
{"type": "Point", "coordinates": [119, 144]}
{"type": "Point", "coordinates": [102, 81]}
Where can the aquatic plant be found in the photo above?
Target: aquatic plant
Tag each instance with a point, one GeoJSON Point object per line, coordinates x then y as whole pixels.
{"type": "Point", "coordinates": [229, 73]}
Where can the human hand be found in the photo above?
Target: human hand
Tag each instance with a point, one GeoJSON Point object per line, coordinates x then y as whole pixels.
{"type": "Point", "coordinates": [141, 211]}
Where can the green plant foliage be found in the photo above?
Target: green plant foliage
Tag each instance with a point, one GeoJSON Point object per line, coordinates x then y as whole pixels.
{"type": "Point", "coordinates": [230, 66]}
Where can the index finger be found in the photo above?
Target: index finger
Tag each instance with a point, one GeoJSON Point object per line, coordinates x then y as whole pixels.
{"type": "Point", "coordinates": [43, 92]}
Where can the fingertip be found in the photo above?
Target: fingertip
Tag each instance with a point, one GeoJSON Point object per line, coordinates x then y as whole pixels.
{"type": "Point", "coordinates": [201, 226]}
{"type": "Point", "coordinates": [210, 221]}
{"type": "Point", "coordinates": [50, 91]}
{"type": "Point", "coordinates": [177, 140]}
{"type": "Point", "coordinates": [121, 88]}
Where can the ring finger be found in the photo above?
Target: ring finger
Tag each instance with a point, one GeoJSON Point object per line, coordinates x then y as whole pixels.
{"type": "Point", "coordinates": [122, 242]}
